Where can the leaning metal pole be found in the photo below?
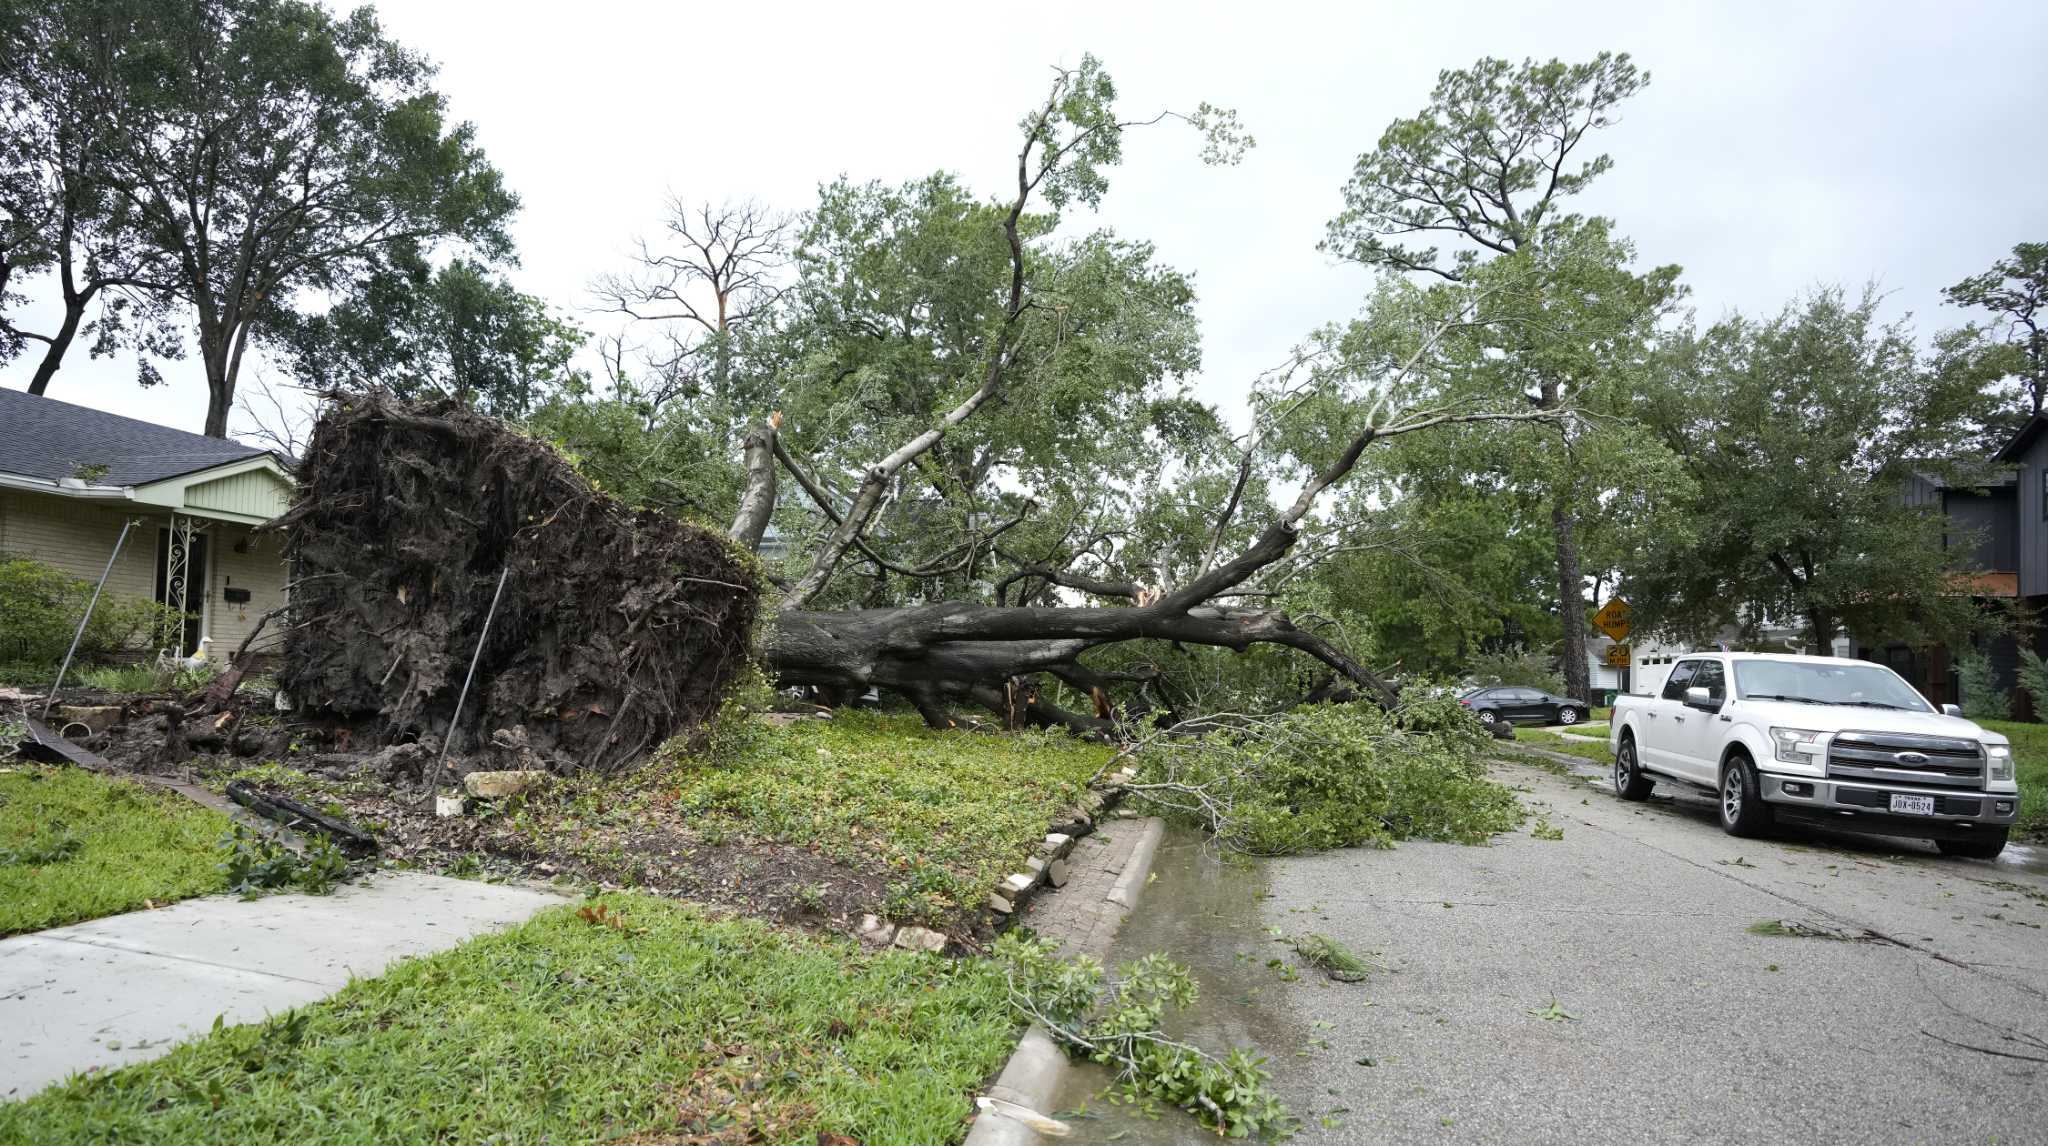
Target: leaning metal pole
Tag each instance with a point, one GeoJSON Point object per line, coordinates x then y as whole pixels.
{"type": "Point", "coordinates": [79, 635]}
{"type": "Point", "coordinates": [455, 721]}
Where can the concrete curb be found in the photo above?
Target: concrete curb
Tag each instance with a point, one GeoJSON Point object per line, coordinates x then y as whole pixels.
{"type": "Point", "coordinates": [1132, 881]}
{"type": "Point", "coordinates": [1031, 1078]}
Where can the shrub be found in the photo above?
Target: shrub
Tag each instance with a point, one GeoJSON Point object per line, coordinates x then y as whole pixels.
{"type": "Point", "coordinates": [1982, 698]}
{"type": "Point", "coordinates": [40, 607]}
{"type": "Point", "coordinates": [1517, 666]}
{"type": "Point", "coordinates": [1330, 776]}
{"type": "Point", "coordinates": [2034, 681]}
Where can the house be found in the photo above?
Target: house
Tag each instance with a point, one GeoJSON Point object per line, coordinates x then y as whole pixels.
{"type": "Point", "coordinates": [70, 476]}
{"type": "Point", "coordinates": [2003, 521]}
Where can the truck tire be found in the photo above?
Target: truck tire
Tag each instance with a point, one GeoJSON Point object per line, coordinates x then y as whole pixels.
{"type": "Point", "coordinates": [1743, 811]}
{"type": "Point", "coordinates": [1982, 846]}
{"type": "Point", "coordinates": [1629, 781]}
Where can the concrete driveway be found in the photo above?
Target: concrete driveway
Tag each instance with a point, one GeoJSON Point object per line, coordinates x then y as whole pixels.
{"type": "Point", "coordinates": [1608, 986]}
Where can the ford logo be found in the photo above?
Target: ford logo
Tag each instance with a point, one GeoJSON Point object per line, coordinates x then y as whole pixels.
{"type": "Point", "coordinates": [1911, 758]}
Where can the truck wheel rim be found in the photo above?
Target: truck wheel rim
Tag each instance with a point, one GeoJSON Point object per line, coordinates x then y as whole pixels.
{"type": "Point", "coordinates": [1731, 796]}
{"type": "Point", "coordinates": [1622, 767]}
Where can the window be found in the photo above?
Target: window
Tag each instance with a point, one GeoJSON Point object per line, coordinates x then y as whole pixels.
{"type": "Point", "coordinates": [1710, 678]}
{"type": "Point", "coordinates": [1681, 675]}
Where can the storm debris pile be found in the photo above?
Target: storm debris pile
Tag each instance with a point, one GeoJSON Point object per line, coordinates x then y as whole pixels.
{"type": "Point", "coordinates": [617, 629]}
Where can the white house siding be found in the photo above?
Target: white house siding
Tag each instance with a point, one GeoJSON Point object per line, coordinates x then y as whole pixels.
{"type": "Point", "coordinates": [76, 536]}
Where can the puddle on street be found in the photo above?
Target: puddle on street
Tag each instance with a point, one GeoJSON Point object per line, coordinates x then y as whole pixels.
{"type": "Point", "coordinates": [1203, 913]}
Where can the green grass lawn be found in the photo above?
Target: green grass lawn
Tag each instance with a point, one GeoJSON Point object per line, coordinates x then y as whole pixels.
{"type": "Point", "coordinates": [77, 846]}
{"type": "Point", "coordinates": [2030, 755]}
{"type": "Point", "coordinates": [1551, 742]}
{"type": "Point", "coordinates": [949, 812]}
{"type": "Point", "coordinates": [670, 1029]}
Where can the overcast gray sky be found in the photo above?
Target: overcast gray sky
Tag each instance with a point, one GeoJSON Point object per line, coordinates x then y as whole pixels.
{"type": "Point", "coordinates": [1778, 146]}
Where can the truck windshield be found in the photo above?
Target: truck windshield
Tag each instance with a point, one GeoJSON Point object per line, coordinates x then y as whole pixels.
{"type": "Point", "coordinates": [1862, 685]}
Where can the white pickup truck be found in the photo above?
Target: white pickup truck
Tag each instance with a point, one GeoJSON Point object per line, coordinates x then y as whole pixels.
{"type": "Point", "coordinates": [1845, 744]}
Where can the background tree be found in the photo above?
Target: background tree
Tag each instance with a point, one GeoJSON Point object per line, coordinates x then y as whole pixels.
{"type": "Point", "coordinates": [2015, 356]}
{"type": "Point", "coordinates": [417, 331]}
{"type": "Point", "coordinates": [62, 98]}
{"type": "Point", "coordinates": [271, 149]}
{"type": "Point", "coordinates": [1799, 433]}
{"type": "Point", "coordinates": [1486, 168]}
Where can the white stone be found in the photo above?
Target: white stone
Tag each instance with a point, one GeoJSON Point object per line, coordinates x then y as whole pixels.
{"type": "Point", "coordinates": [920, 939]}
{"type": "Point", "coordinates": [876, 931]}
{"type": "Point", "coordinates": [1018, 882]}
{"type": "Point", "coordinates": [445, 805]}
{"type": "Point", "coordinates": [498, 785]}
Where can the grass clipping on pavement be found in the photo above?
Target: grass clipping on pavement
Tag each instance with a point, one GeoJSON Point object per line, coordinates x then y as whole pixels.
{"type": "Point", "coordinates": [75, 846]}
{"type": "Point", "coordinates": [635, 1018]}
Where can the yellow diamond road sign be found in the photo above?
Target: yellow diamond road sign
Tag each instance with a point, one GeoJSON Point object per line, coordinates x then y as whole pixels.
{"type": "Point", "coordinates": [1612, 619]}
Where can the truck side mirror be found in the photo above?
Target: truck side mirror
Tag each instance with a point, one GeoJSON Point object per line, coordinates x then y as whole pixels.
{"type": "Point", "coordinates": [1700, 698]}
{"type": "Point", "coordinates": [1951, 710]}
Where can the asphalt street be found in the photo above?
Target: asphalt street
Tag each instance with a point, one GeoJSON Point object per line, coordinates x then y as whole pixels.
{"type": "Point", "coordinates": [1611, 986]}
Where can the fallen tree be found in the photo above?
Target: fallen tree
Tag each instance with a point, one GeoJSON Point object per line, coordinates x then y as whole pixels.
{"type": "Point", "coordinates": [615, 629]}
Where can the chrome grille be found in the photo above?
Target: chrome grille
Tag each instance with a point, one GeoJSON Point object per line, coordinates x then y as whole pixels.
{"type": "Point", "coordinates": [1901, 758]}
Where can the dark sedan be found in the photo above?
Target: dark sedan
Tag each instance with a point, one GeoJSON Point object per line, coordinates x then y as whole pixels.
{"type": "Point", "coordinates": [1522, 706]}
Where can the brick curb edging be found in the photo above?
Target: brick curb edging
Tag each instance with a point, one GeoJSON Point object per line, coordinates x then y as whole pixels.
{"type": "Point", "coordinates": [1032, 1076]}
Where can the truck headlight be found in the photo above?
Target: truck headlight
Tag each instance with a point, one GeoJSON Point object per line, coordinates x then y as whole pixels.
{"type": "Point", "coordinates": [1797, 745]}
{"type": "Point", "coordinates": [1999, 757]}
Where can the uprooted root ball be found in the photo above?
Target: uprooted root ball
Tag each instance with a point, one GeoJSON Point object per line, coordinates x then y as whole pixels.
{"type": "Point", "coordinates": [616, 630]}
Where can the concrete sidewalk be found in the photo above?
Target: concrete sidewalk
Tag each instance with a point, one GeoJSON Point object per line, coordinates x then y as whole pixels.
{"type": "Point", "coordinates": [127, 988]}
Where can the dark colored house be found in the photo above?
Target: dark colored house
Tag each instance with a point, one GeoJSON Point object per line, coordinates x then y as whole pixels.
{"type": "Point", "coordinates": [2005, 523]}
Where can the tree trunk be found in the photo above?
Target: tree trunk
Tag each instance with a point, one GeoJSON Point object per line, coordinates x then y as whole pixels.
{"type": "Point", "coordinates": [1823, 630]}
{"type": "Point", "coordinates": [53, 355]}
{"type": "Point", "coordinates": [973, 652]}
{"type": "Point", "coordinates": [1571, 607]}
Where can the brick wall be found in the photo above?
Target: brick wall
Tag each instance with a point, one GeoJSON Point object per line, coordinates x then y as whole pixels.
{"type": "Point", "coordinates": [76, 536]}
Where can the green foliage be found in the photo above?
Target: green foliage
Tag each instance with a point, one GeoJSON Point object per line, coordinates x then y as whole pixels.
{"type": "Point", "coordinates": [1516, 666]}
{"type": "Point", "coordinates": [77, 846]}
{"type": "Point", "coordinates": [420, 332]}
{"type": "Point", "coordinates": [1504, 130]}
{"type": "Point", "coordinates": [2033, 679]}
{"type": "Point", "coordinates": [254, 865]}
{"type": "Point", "coordinates": [2012, 358]}
{"type": "Point", "coordinates": [40, 607]}
{"type": "Point", "coordinates": [201, 113]}
{"type": "Point", "coordinates": [946, 813]}
{"type": "Point", "coordinates": [1799, 433]}
{"type": "Point", "coordinates": [1982, 698]}
{"type": "Point", "coordinates": [1330, 776]}
{"type": "Point", "coordinates": [145, 677]}
{"type": "Point", "coordinates": [674, 1026]}
{"type": "Point", "coordinates": [1123, 1026]}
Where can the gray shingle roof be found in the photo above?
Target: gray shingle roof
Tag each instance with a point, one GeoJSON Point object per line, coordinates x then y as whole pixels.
{"type": "Point", "coordinates": [48, 439]}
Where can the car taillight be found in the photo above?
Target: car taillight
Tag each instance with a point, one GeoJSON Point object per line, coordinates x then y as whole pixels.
{"type": "Point", "coordinates": [1464, 703]}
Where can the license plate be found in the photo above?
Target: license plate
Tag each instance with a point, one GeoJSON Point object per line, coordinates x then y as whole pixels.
{"type": "Point", "coordinates": [1913, 805]}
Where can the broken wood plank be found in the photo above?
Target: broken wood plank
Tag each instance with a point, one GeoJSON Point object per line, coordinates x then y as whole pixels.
{"type": "Point", "coordinates": [293, 814]}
